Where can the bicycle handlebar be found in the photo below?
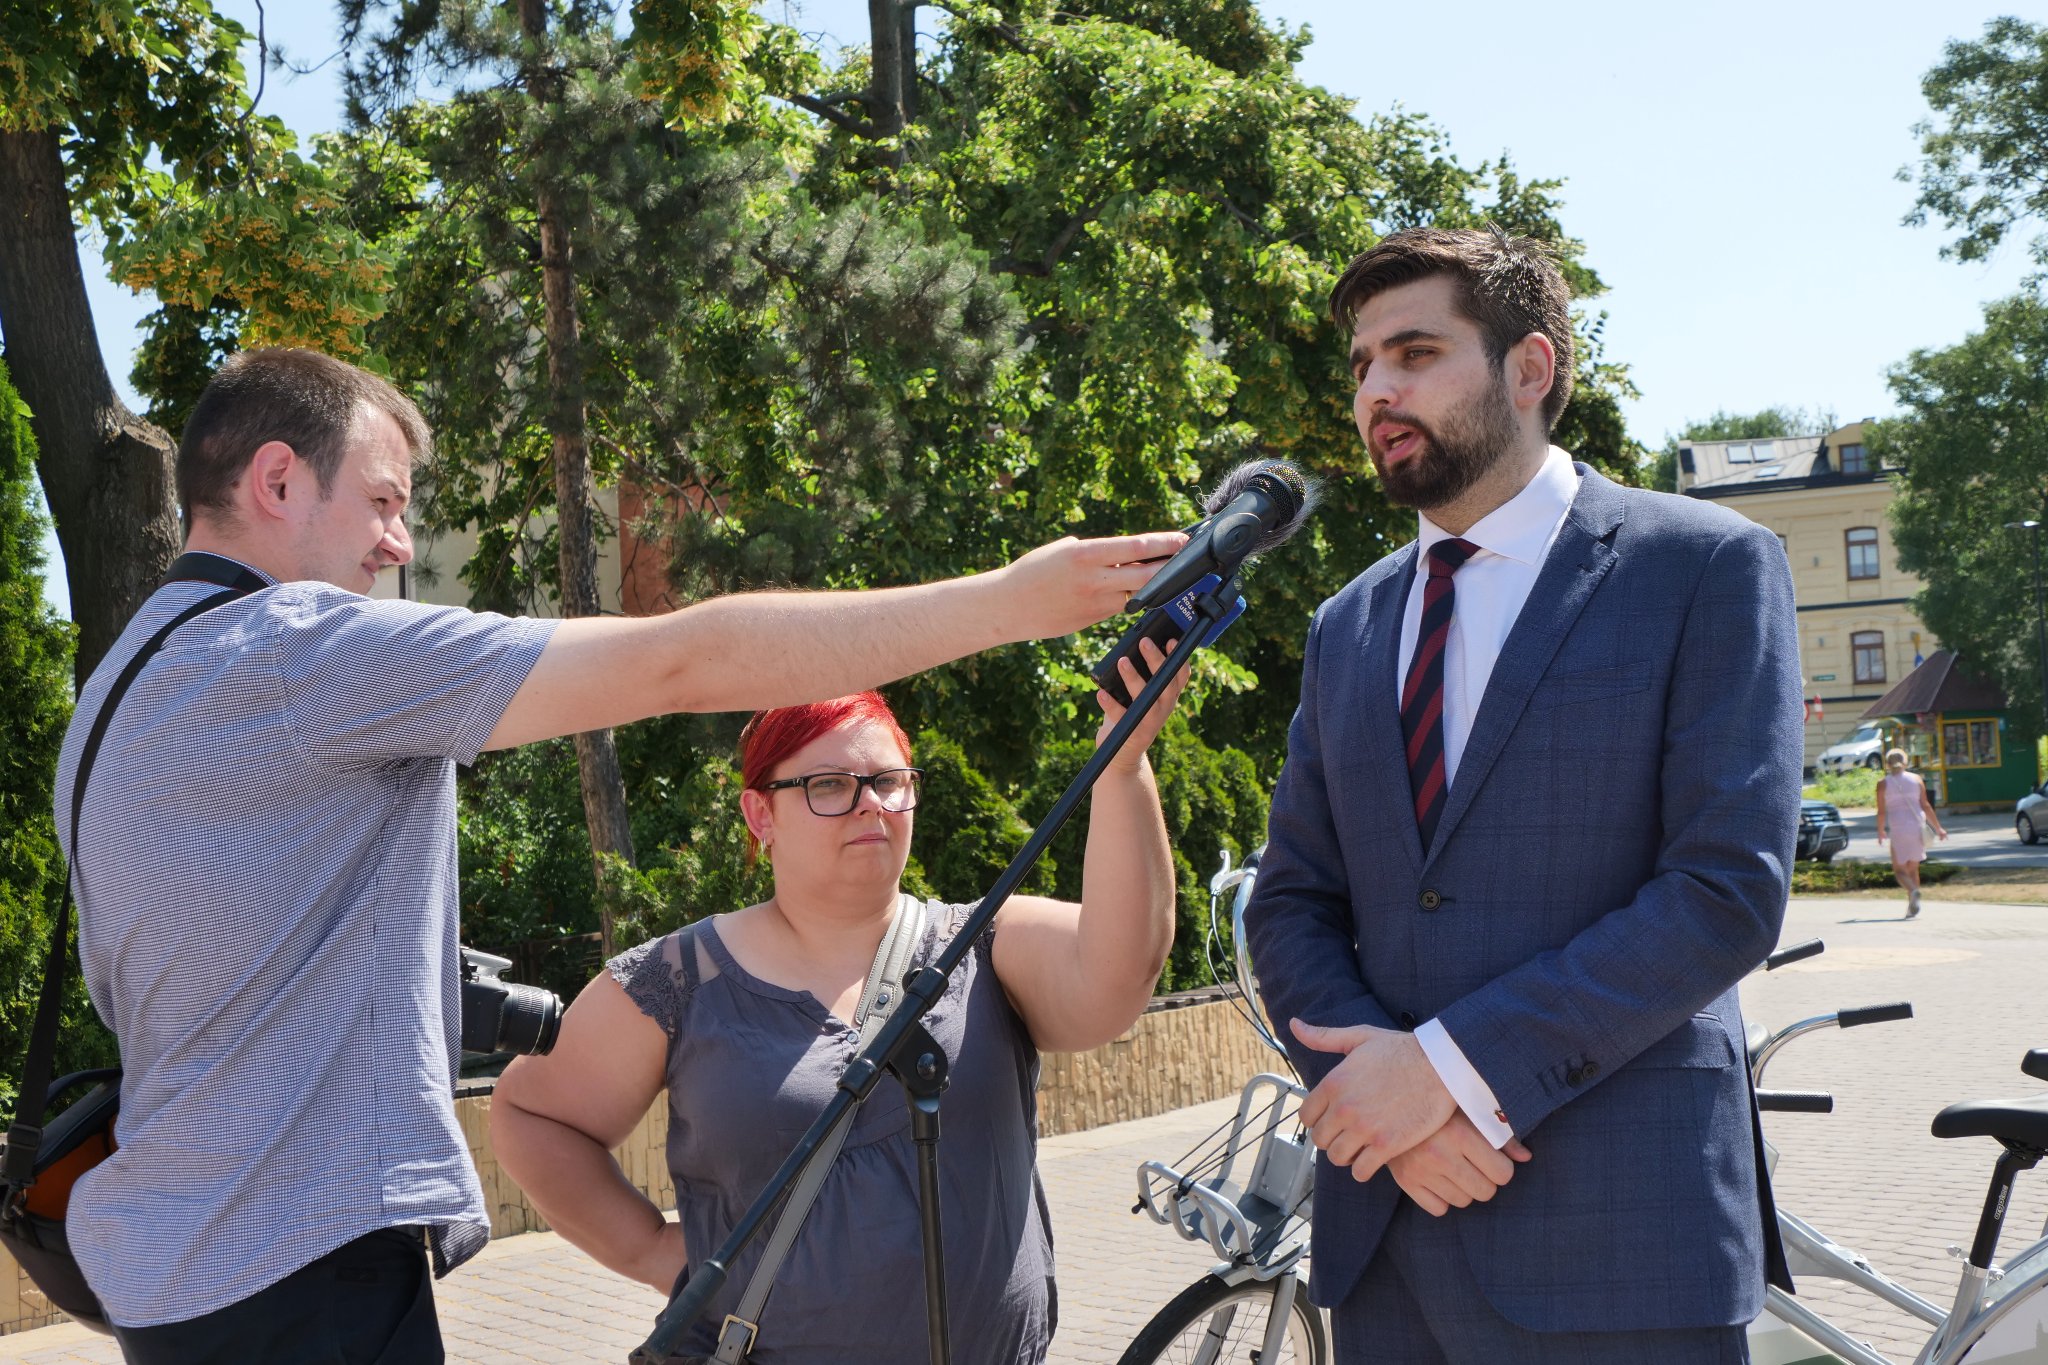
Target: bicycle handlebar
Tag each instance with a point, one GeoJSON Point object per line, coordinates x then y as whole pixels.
{"type": "Point", "coordinates": [1795, 1101]}
{"type": "Point", "coordinates": [1813, 947]}
{"type": "Point", "coordinates": [2035, 1064]}
{"type": "Point", "coordinates": [1874, 1014]}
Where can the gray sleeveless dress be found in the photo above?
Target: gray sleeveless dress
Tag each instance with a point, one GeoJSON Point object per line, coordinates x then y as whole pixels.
{"type": "Point", "coordinates": [750, 1065]}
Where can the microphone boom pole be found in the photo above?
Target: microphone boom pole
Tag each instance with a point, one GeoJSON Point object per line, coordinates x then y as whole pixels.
{"type": "Point", "coordinates": [922, 989]}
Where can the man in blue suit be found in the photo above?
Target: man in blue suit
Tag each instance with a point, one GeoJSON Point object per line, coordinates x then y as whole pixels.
{"type": "Point", "coordinates": [1536, 822]}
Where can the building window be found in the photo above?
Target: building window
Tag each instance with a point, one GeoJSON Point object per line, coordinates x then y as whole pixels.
{"type": "Point", "coordinates": [1854, 460]}
{"type": "Point", "coordinates": [1868, 648]}
{"type": "Point", "coordinates": [1862, 552]}
{"type": "Point", "coordinates": [1969, 744]}
{"type": "Point", "coordinates": [1783, 544]}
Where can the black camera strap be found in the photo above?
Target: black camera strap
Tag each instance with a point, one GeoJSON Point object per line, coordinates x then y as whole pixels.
{"type": "Point", "coordinates": [25, 1135]}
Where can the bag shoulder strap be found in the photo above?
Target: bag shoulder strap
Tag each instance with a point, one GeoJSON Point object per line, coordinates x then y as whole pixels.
{"type": "Point", "coordinates": [25, 1135]}
{"type": "Point", "coordinates": [878, 999]}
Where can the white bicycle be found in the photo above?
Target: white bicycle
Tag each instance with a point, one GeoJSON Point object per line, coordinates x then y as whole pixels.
{"type": "Point", "coordinates": [1999, 1315]}
{"type": "Point", "coordinates": [1245, 1191]}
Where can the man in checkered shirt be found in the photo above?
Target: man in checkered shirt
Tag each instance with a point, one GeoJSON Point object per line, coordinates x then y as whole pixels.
{"type": "Point", "coordinates": [266, 860]}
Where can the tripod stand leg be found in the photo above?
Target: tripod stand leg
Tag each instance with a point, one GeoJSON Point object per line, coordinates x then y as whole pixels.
{"type": "Point", "coordinates": [921, 1068]}
{"type": "Point", "coordinates": [924, 1131]}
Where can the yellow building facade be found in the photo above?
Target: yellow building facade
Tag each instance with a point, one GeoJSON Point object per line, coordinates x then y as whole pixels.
{"type": "Point", "coordinates": [1827, 501]}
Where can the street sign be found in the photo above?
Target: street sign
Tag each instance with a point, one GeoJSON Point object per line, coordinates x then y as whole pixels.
{"type": "Point", "coordinates": [1823, 677]}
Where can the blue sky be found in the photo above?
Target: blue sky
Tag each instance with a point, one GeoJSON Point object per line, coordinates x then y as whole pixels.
{"type": "Point", "coordinates": [1730, 168]}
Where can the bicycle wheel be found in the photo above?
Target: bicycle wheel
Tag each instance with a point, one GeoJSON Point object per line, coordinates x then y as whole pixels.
{"type": "Point", "coordinates": [1214, 1322]}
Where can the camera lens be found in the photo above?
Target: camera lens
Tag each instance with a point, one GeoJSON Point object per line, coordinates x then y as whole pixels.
{"type": "Point", "coordinates": [531, 1018]}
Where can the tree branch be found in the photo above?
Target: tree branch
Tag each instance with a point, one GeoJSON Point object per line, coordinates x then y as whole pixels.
{"type": "Point", "coordinates": [832, 114]}
{"type": "Point", "coordinates": [1010, 265]}
{"type": "Point", "coordinates": [1008, 33]}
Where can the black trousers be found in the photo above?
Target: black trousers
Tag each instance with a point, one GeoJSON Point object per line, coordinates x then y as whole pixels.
{"type": "Point", "coordinates": [367, 1302]}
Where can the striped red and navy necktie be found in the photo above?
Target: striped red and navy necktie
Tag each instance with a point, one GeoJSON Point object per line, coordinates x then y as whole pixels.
{"type": "Point", "coordinates": [1422, 696]}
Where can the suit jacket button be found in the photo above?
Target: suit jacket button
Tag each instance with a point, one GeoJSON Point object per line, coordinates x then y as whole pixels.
{"type": "Point", "coordinates": [1431, 900]}
{"type": "Point", "coordinates": [1589, 1070]}
{"type": "Point", "coordinates": [1407, 1020]}
{"type": "Point", "coordinates": [1574, 1076]}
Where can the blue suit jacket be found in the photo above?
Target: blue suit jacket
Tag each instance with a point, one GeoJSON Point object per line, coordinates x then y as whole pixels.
{"type": "Point", "coordinates": [1614, 856]}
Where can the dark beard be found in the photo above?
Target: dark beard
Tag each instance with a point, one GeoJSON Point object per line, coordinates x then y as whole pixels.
{"type": "Point", "coordinates": [1456, 455]}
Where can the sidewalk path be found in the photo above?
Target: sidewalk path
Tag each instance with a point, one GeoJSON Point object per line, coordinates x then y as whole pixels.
{"type": "Point", "coordinates": [534, 1298]}
{"type": "Point", "coordinates": [1869, 1175]}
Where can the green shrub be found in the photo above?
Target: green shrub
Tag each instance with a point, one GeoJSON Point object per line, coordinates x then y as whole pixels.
{"type": "Point", "coordinates": [967, 831]}
{"type": "Point", "coordinates": [1212, 799]}
{"type": "Point", "coordinates": [528, 889]}
{"type": "Point", "coordinates": [1853, 789]}
{"type": "Point", "coordinates": [35, 706]}
{"type": "Point", "coordinates": [704, 870]}
{"type": "Point", "coordinates": [1827, 879]}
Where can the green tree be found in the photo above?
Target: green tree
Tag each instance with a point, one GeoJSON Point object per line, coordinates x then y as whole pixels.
{"type": "Point", "coordinates": [35, 706]}
{"type": "Point", "coordinates": [1984, 160]}
{"type": "Point", "coordinates": [588, 291]}
{"type": "Point", "coordinates": [1971, 445]}
{"type": "Point", "coordinates": [1050, 274]}
{"type": "Point", "coordinates": [1170, 203]}
{"type": "Point", "coordinates": [135, 116]}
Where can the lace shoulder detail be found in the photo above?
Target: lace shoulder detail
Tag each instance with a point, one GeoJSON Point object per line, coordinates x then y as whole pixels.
{"type": "Point", "coordinates": [655, 978]}
{"type": "Point", "coordinates": [947, 919]}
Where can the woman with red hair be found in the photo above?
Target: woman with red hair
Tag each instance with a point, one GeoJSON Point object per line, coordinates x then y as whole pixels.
{"type": "Point", "coordinates": [748, 1018]}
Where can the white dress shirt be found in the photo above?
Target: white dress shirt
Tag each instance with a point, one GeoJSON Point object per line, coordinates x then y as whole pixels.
{"type": "Point", "coordinates": [1513, 539]}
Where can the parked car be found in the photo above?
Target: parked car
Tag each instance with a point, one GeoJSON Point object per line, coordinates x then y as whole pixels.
{"type": "Point", "coordinates": [1864, 748]}
{"type": "Point", "coordinates": [2031, 814]}
{"type": "Point", "coordinates": [1821, 832]}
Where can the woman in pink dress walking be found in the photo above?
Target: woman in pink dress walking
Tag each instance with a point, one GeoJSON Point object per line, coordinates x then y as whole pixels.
{"type": "Point", "coordinates": [1901, 802]}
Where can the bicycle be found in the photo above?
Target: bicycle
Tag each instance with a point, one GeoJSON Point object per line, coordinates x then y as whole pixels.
{"type": "Point", "coordinates": [1259, 1228]}
{"type": "Point", "coordinates": [1245, 1190]}
{"type": "Point", "coordinates": [1999, 1315]}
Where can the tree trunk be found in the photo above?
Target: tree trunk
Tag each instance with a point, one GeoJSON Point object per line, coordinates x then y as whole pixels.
{"type": "Point", "coordinates": [892, 34]}
{"type": "Point", "coordinates": [108, 475]}
{"type": "Point", "coordinates": [597, 756]}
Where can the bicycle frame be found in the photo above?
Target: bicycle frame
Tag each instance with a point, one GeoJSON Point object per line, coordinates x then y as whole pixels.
{"type": "Point", "coordinates": [1993, 1308]}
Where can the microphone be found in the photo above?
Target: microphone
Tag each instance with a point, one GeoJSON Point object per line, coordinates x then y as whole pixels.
{"type": "Point", "coordinates": [1259, 505]}
{"type": "Point", "coordinates": [1161, 625]}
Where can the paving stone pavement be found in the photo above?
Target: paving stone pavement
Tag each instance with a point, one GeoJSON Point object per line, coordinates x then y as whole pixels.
{"type": "Point", "coordinates": [1868, 1175]}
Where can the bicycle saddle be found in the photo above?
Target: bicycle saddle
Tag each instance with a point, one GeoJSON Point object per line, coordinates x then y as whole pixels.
{"type": "Point", "coordinates": [2022, 1123]}
{"type": "Point", "coordinates": [2035, 1064]}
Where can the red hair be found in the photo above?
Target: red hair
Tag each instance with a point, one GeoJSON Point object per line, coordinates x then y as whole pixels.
{"type": "Point", "coordinates": [772, 736]}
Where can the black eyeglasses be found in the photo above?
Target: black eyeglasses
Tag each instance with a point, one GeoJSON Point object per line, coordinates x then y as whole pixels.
{"type": "Point", "coordinates": [839, 793]}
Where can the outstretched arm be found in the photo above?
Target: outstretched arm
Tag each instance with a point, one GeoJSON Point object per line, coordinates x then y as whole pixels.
{"type": "Point", "coordinates": [754, 650]}
{"type": "Point", "coordinates": [1081, 974]}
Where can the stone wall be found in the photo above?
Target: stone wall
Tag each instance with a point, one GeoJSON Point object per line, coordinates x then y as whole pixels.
{"type": "Point", "coordinates": [1184, 1050]}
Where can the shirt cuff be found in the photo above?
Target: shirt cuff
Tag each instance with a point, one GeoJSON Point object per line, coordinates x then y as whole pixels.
{"type": "Point", "coordinates": [1466, 1085]}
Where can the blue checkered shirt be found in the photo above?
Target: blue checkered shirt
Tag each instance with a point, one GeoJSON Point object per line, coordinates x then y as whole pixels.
{"type": "Point", "coordinates": [267, 893]}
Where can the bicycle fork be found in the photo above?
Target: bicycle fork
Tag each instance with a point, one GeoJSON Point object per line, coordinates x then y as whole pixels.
{"type": "Point", "coordinates": [1285, 1286]}
{"type": "Point", "coordinates": [1279, 1317]}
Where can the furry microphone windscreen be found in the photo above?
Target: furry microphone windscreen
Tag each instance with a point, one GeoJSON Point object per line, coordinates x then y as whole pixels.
{"type": "Point", "coordinates": [1294, 495]}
